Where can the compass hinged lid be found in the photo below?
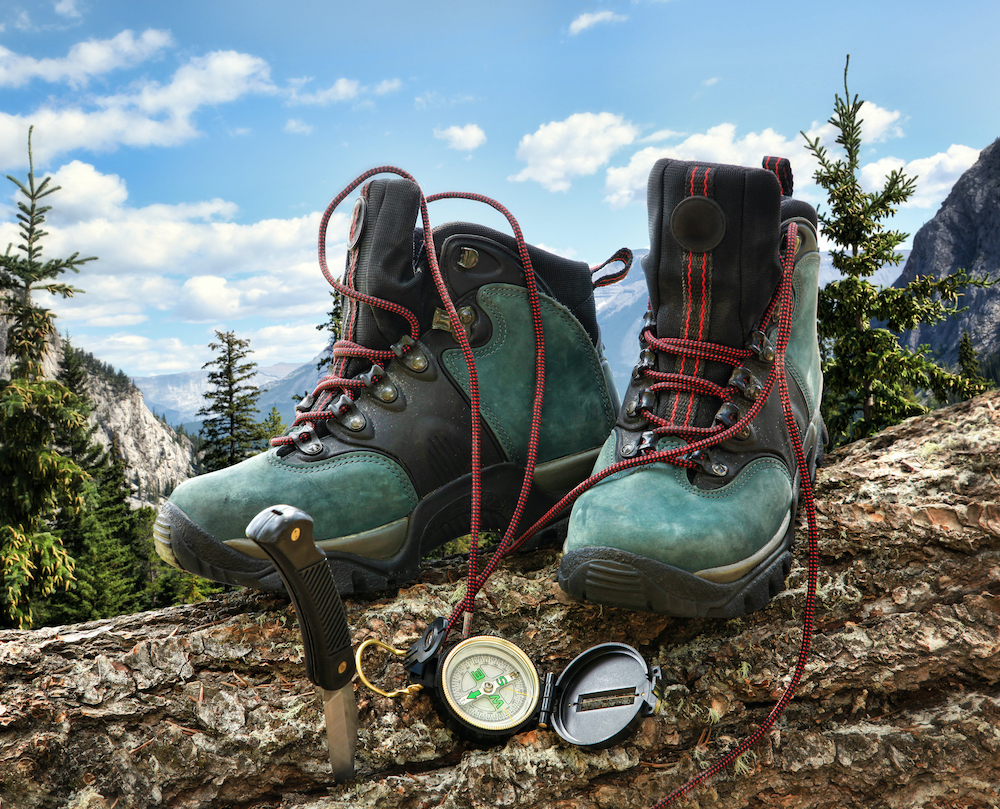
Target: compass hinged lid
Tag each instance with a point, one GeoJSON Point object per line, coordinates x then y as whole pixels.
{"type": "Point", "coordinates": [601, 696]}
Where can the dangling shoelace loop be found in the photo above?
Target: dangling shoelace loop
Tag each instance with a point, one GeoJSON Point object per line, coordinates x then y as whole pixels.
{"type": "Point", "coordinates": [808, 502]}
{"type": "Point", "coordinates": [624, 255]}
{"type": "Point", "coordinates": [782, 302]}
{"type": "Point", "coordinates": [344, 349]}
{"type": "Point", "coordinates": [474, 578]}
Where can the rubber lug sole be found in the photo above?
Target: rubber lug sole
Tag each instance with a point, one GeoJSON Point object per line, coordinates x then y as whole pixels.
{"type": "Point", "coordinates": [440, 517]}
{"type": "Point", "coordinates": [622, 579]}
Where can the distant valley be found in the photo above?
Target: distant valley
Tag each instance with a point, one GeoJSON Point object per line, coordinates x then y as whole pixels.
{"type": "Point", "coordinates": [620, 307]}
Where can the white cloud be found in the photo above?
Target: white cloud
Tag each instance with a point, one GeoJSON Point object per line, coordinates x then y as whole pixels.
{"type": "Point", "coordinates": [433, 100]}
{"type": "Point", "coordinates": [578, 146]}
{"type": "Point", "coordinates": [935, 175]}
{"type": "Point", "coordinates": [585, 21]}
{"type": "Point", "coordinates": [464, 138]}
{"type": "Point", "coordinates": [711, 81]}
{"type": "Point", "coordinates": [151, 114]}
{"type": "Point", "coordinates": [297, 127]}
{"type": "Point", "coordinates": [186, 263]}
{"type": "Point", "coordinates": [877, 126]}
{"type": "Point", "coordinates": [150, 356]}
{"type": "Point", "coordinates": [660, 134]}
{"type": "Point", "coordinates": [340, 90]}
{"type": "Point", "coordinates": [67, 8]}
{"type": "Point", "coordinates": [565, 252]}
{"type": "Point", "coordinates": [387, 86]}
{"type": "Point", "coordinates": [84, 60]}
{"type": "Point", "coordinates": [718, 145]}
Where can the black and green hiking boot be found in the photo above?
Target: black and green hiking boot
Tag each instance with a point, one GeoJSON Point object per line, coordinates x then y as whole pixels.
{"type": "Point", "coordinates": [695, 513]}
{"type": "Point", "coordinates": [380, 455]}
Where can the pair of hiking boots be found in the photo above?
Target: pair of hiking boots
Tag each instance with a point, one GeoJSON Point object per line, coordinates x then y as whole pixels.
{"type": "Point", "coordinates": [692, 506]}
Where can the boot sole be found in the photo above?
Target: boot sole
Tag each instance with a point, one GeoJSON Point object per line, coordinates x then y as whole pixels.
{"type": "Point", "coordinates": [621, 579]}
{"type": "Point", "coordinates": [440, 517]}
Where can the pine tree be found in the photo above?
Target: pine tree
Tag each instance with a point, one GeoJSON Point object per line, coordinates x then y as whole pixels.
{"type": "Point", "coordinates": [870, 380]}
{"type": "Point", "coordinates": [334, 325]}
{"type": "Point", "coordinates": [107, 538]}
{"type": "Point", "coordinates": [231, 431]}
{"type": "Point", "coordinates": [270, 427]}
{"type": "Point", "coordinates": [39, 482]}
{"type": "Point", "coordinates": [968, 362]}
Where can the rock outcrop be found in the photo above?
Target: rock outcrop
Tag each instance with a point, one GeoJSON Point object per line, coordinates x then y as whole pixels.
{"type": "Point", "coordinates": [158, 457]}
{"type": "Point", "coordinates": [207, 705]}
{"type": "Point", "coordinates": [964, 234]}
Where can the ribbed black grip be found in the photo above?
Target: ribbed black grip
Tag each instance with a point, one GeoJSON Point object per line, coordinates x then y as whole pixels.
{"type": "Point", "coordinates": [284, 533]}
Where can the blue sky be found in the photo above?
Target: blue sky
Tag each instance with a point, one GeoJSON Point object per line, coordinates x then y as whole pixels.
{"type": "Point", "coordinates": [197, 143]}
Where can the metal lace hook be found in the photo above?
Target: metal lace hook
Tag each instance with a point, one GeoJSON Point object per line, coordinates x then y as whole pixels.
{"type": "Point", "coordinates": [399, 692]}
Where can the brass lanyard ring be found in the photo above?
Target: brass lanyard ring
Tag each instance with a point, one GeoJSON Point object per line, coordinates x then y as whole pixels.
{"type": "Point", "coordinates": [399, 692]}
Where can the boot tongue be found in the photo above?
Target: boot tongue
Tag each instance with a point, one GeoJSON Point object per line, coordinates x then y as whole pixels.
{"type": "Point", "coordinates": [380, 263]}
{"type": "Point", "coordinates": [712, 266]}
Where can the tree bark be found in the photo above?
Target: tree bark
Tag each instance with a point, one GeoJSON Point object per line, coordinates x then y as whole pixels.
{"type": "Point", "coordinates": [208, 705]}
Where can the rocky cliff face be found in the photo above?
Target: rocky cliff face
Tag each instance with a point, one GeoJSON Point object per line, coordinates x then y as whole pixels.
{"type": "Point", "coordinates": [964, 234]}
{"type": "Point", "coordinates": [207, 706]}
{"type": "Point", "coordinates": [158, 458]}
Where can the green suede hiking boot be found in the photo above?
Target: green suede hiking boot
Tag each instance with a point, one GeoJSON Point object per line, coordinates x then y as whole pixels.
{"type": "Point", "coordinates": [707, 531]}
{"type": "Point", "coordinates": [380, 454]}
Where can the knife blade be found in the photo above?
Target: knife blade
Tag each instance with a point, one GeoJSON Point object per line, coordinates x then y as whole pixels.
{"type": "Point", "coordinates": [285, 534]}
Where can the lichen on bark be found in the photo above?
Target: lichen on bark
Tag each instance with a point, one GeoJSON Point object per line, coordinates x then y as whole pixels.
{"type": "Point", "coordinates": [208, 705]}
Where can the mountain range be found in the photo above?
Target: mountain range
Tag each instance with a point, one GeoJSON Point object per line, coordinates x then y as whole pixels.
{"type": "Point", "coordinates": [620, 308]}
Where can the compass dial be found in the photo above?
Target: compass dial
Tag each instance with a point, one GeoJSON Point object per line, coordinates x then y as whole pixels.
{"type": "Point", "coordinates": [489, 684]}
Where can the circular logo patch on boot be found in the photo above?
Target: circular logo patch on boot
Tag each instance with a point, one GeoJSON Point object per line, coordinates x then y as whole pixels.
{"type": "Point", "coordinates": [698, 224]}
{"type": "Point", "coordinates": [357, 223]}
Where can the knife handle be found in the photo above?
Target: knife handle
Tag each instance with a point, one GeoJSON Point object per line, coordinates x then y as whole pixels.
{"type": "Point", "coordinates": [285, 534]}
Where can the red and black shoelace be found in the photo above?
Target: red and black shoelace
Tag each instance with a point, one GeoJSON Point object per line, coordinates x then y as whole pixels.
{"type": "Point", "coordinates": [697, 438]}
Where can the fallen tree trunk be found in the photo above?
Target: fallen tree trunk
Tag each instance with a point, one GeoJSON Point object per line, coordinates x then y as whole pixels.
{"type": "Point", "coordinates": [208, 706]}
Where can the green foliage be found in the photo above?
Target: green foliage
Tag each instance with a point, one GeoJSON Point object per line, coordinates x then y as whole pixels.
{"type": "Point", "coordinates": [968, 362]}
{"type": "Point", "coordinates": [870, 380]}
{"type": "Point", "coordinates": [171, 586]}
{"type": "Point", "coordinates": [334, 325]}
{"type": "Point", "coordinates": [231, 432]}
{"type": "Point", "coordinates": [273, 425]}
{"type": "Point", "coordinates": [107, 538]}
{"type": "Point", "coordinates": [989, 368]}
{"type": "Point", "coordinates": [40, 482]}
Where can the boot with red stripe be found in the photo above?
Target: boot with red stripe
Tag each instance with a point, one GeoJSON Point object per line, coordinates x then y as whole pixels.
{"type": "Point", "coordinates": [382, 455]}
{"type": "Point", "coordinates": [693, 507]}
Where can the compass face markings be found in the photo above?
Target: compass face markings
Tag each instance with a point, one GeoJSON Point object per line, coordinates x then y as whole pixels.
{"type": "Point", "coordinates": [478, 679]}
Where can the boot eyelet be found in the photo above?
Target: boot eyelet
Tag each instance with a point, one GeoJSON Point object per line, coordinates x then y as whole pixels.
{"type": "Point", "coordinates": [704, 460]}
{"type": "Point", "coordinates": [408, 351]}
{"type": "Point", "coordinates": [746, 383]}
{"type": "Point", "coordinates": [727, 415]}
{"type": "Point", "coordinates": [647, 442]}
{"type": "Point", "coordinates": [387, 393]}
{"type": "Point", "coordinates": [305, 403]}
{"type": "Point", "coordinates": [306, 441]}
{"type": "Point", "coordinates": [629, 450]}
{"type": "Point", "coordinates": [647, 360]}
{"type": "Point", "coordinates": [348, 413]}
{"type": "Point", "coordinates": [761, 346]}
{"type": "Point", "coordinates": [372, 377]}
